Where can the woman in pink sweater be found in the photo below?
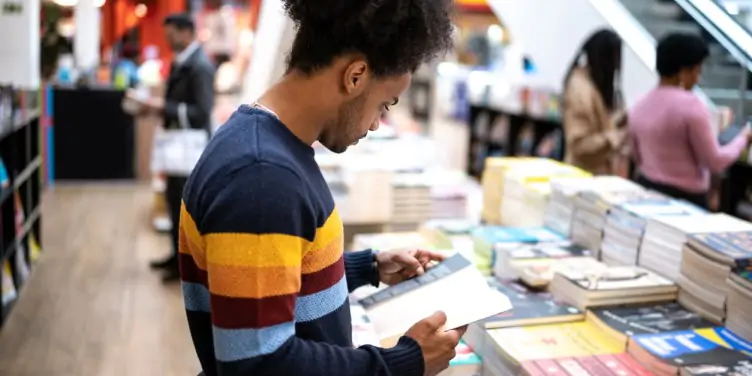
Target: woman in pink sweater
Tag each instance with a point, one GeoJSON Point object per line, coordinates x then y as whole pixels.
{"type": "Point", "coordinates": [673, 142]}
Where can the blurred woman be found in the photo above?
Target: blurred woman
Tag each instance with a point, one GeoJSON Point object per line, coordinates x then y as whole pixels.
{"type": "Point", "coordinates": [592, 110]}
{"type": "Point", "coordinates": [673, 142]}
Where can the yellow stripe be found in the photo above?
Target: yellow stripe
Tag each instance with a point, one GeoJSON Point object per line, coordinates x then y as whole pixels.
{"type": "Point", "coordinates": [323, 257]}
{"type": "Point", "coordinates": [267, 250]}
{"type": "Point", "coordinates": [331, 230]}
{"type": "Point", "coordinates": [252, 282]}
{"type": "Point", "coordinates": [191, 230]}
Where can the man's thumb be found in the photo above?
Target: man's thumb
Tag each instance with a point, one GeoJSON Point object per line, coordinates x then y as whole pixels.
{"type": "Point", "coordinates": [437, 320]}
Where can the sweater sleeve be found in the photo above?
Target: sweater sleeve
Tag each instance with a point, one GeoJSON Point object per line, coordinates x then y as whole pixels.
{"type": "Point", "coordinates": [360, 270]}
{"type": "Point", "coordinates": [256, 232]}
{"type": "Point", "coordinates": [704, 143]}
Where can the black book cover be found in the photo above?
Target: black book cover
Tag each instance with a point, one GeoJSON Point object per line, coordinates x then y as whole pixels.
{"type": "Point", "coordinates": [696, 347]}
{"type": "Point", "coordinates": [650, 318]}
{"type": "Point", "coordinates": [554, 250]}
{"type": "Point", "coordinates": [529, 305]}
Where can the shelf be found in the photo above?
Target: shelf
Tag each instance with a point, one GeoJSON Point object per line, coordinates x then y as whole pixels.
{"type": "Point", "coordinates": [20, 236]}
{"type": "Point", "coordinates": [27, 172]}
{"type": "Point", "coordinates": [18, 122]}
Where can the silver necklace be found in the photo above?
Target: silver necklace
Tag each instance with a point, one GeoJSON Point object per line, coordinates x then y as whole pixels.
{"type": "Point", "coordinates": [265, 109]}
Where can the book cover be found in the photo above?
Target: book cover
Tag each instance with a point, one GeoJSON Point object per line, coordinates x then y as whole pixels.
{"type": "Point", "coordinates": [734, 245]}
{"type": "Point", "coordinates": [498, 234]}
{"type": "Point", "coordinates": [715, 345]}
{"type": "Point", "coordinates": [555, 341]}
{"type": "Point", "coordinates": [648, 318]}
{"type": "Point", "coordinates": [552, 250]}
{"type": "Point", "coordinates": [529, 307]}
{"type": "Point", "coordinates": [616, 278]}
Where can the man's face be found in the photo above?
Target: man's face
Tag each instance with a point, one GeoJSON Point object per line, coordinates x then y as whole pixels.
{"type": "Point", "coordinates": [177, 39]}
{"type": "Point", "coordinates": [361, 113]}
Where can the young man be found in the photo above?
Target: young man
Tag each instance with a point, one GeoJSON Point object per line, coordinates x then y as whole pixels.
{"type": "Point", "coordinates": [265, 278]}
{"type": "Point", "coordinates": [189, 98]}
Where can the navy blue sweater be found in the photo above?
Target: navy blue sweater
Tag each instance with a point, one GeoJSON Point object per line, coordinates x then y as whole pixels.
{"type": "Point", "coordinates": [265, 279]}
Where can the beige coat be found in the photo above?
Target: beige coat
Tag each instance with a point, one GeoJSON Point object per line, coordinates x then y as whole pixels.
{"type": "Point", "coordinates": [593, 141]}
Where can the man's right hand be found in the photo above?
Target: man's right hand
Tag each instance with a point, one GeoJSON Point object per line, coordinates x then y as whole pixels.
{"type": "Point", "coordinates": [438, 346]}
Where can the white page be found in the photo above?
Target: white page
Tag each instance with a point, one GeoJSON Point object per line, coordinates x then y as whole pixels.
{"type": "Point", "coordinates": [463, 296]}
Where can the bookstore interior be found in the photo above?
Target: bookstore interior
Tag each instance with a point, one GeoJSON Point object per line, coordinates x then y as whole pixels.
{"type": "Point", "coordinates": [556, 270]}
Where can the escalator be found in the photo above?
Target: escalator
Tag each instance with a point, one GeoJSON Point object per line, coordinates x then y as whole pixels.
{"type": "Point", "coordinates": [726, 79]}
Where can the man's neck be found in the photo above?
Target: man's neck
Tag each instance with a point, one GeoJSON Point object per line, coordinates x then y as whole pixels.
{"type": "Point", "coordinates": [300, 105]}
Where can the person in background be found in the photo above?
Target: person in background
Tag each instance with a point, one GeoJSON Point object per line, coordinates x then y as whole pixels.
{"type": "Point", "coordinates": [264, 273]}
{"type": "Point", "coordinates": [189, 97]}
{"type": "Point", "coordinates": [673, 142]}
{"type": "Point", "coordinates": [592, 111]}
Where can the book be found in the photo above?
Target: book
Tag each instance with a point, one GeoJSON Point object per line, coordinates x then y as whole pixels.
{"type": "Point", "coordinates": [465, 363]}
{"type": "Point", "coordinates": [9, 292]}
{"type": "Point", "coordinates": [530, 307]}
{"type": "Point", "coordinates": [453, 286]}
{"type": "Point", "coordinates": [606, 286]}
{"type": "Point", "coordinates": [667, 353]}
{"type": "Point", "coordinates": [729, 248]}
{"type": "Point", "coordinates": [4, 177]}
{"type": "Point", "coordinates": [539, 273]}
{"type": "Point", "coordinates": [509, 260]}
{"type": "Point", "coordinates": [731, 368]}
{"type": "Point", "coordinates": [624, 321]}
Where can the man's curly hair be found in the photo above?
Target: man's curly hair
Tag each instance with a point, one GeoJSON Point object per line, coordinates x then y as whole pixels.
{"type": "Point", "coordinates": [396, 36]}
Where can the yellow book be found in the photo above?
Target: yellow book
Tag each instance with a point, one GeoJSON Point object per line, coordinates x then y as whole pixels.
{"type": "Point", "coordinates": [554, 341]}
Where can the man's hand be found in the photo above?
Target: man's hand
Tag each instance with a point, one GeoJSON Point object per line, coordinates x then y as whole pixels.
{"type": "Point", "coordinates": [438, 346]}
{"type": "Point", "coordinates": [398, 265]}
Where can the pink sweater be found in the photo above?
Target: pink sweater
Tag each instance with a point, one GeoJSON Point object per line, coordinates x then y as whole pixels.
{"type": "Point", "coordinates": [673, 141]}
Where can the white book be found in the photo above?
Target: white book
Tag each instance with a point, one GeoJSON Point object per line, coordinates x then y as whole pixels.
{"type": "Point", "coordinates": [454, 286]}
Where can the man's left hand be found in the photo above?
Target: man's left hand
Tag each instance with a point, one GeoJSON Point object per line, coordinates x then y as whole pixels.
{"type": "Point", "coordinates": [398, 265]}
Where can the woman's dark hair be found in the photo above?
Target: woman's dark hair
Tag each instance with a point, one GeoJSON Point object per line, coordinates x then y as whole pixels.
{"type": "Point", "coordinates": [395, 36]}
{"type": "Point", "coordinates": [603, 53]}
{"type": "Point", "coordinates": [679, 51]}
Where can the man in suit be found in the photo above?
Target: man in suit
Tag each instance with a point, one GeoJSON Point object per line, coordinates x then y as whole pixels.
{"type": "Point", "coordinates": [189, 99]}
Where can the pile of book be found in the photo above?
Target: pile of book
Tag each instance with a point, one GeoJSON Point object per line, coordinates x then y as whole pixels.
{"type": "Point", "coordinates": [625, 224]}
{"type": "Point", "coordinates": [710, 263]}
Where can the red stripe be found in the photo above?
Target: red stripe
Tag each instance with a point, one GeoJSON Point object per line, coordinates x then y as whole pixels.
{"type": "Point", "coordinates": [190, 272]}
{"type": "Point", "coordinates": [238, 313]}
{"type": "Point", "coordinates": [322, 279]}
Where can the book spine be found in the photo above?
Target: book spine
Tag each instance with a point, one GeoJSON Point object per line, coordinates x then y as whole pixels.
{"type": "Point", "coordinates": [574, 368]}
{"type": "Point", "coordinates": [594, 367]}
{"type": "Point", "coordinates": [529, 368]}
{"type": "Point", "coordinates": [631, 364]}
{"type": "Point", "coordinates": [550, 367]}
{"type": "Point", "coordinates": [612, 363]}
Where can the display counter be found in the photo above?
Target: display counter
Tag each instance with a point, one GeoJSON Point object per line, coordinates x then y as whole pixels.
{"type": "Point", "coordinates": [94, 137]}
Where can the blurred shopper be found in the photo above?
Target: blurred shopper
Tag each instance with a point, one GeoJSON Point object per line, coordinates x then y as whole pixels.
{"type": "Point", "coordinates": [592, 110]}
{"type": "Point", "coordinates": [126, 69]}
{"type": "Point", "coordinates": [265, 276]}
{"type": "Point", "coordinates": [673, 142]}
{"type": "Point", "coordinates": [189, 98]}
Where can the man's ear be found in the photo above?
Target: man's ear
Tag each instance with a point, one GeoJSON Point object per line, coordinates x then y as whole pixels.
{"type": "Point", "coordinates": [355, 77]}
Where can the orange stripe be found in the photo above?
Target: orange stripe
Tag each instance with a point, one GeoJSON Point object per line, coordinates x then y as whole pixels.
{"type": "Point", "coordinates": [323, 257]}
{"type": "Point", "coordinates": [331, 230]}
{"type": "Point", "coordinates": [191, 230]}
{"type": "Point", "coordinates": [253, 282]}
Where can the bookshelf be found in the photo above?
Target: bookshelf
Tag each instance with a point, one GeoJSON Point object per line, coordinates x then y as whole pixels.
{"type": "Point", "coordinates": [20, 194]}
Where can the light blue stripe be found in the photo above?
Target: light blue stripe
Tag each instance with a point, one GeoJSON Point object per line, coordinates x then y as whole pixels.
{"type": "Point", "coordinates": [322, 303]}
{"type": "Point", "coordinates": [235, 344]}
{"type": "Point", "coordinates": [196, 297]}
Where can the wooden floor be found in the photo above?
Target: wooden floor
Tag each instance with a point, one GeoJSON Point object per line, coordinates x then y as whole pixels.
{"type": "Point", "coordinates": [92, 306]}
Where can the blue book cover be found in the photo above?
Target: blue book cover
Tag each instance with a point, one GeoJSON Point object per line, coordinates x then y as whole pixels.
{"type": "Point", "coordinates": [697, 346]}
{"type": "Point", "coordinates": [736, 246]}
{"type": "Point", "coordinates": [499, 234]}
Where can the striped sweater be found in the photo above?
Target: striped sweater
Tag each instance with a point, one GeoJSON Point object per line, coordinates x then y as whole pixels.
{"type": "Point", "coordinates": [264, 276]}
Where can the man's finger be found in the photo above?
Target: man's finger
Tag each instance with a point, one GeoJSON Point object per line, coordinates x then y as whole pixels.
{"type": "Point", "coordinates": [436, 321]}
{"type": "Point", "coordinates": [426, 257]}
{"type": "Point", "coordinates": [407, 261]}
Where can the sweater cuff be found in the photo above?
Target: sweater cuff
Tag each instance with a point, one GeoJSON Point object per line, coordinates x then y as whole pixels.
{"type": "Point", "coordinates": [404, 359]}
{"type": "Point", "coordinates": [360, 269]}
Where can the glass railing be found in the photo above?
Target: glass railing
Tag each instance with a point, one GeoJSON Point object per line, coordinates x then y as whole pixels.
{"type": "Point", "coordinates": [726, 77]}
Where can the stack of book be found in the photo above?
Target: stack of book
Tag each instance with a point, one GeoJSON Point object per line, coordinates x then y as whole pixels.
{"type": "Point", "coordinates": [702, 351]}
{"type": "Point", "coordinates": [591, 209]}
{"type": "Point", "coordinates": [665, 237]}
{"type": "Point", "coordinates": [488, 240]}
{"type": "Point", "coordinates": [604, 285]}
{"type": "Point", "coordinates": [625, 224]}
{"type": "Point", "coordinates": [449, 193]}
{"type": "Point", "coordinates": [562, 201]}
{"type": "Point", "coordinates": [708, 261]}
{"type": "Point", "coordinates": [525, 192]}
{"type": "Point", "coordinates": [492, 182]}
{"type": "Point", "coordinates": [521, 261]}
{"type": "Point", "coordinates": [739, 304]}
{"type": "Point", "coordinates": [411, 199]}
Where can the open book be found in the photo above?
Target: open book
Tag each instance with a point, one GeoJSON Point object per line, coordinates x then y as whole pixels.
{"type": "Point", "coordinates": [454, 286]}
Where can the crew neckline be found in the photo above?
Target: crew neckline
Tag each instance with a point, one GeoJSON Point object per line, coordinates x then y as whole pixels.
{"type": "Point", "coordinates": [250, 110]}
